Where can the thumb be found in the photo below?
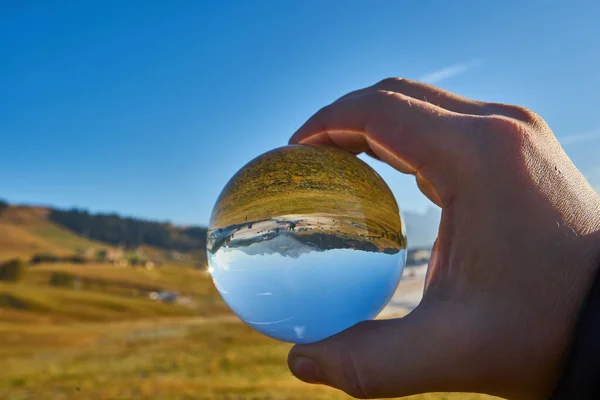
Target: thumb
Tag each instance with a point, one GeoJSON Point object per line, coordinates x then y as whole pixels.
{"type": "Point", "coordinates": [389, 358]}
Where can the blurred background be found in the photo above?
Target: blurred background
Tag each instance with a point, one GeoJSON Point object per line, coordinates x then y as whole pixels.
{"type": "Point", "coordinates": [121, 121]}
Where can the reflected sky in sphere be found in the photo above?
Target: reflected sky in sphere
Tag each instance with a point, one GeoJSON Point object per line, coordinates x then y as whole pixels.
{"type": "Point", "coordinates": [309, 295]}
{"type": "Point", "coordinates": [305, 242]}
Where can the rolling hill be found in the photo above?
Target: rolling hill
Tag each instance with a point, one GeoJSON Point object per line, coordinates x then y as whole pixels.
{"type": "Point", "coordinates": [62, 287]}
{"type": "Point", "coordinates": [25, 231]}
{"type": "Point", "coordinates": [29, 230]}
{"type": "Point", "coordinates": [101, 336]}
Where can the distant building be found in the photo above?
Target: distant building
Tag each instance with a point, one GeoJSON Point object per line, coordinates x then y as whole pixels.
{"type": "Point", "coordinates": [115, 255]}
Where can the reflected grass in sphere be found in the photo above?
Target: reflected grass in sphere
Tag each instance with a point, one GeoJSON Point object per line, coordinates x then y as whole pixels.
{"type": "Point", "coordinates": [305, 242]}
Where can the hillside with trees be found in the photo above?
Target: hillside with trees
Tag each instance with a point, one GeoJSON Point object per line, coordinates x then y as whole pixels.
{"type": "Point", "coordinates": [3, 205]}
{"type": "Point", "coordinates": [46, 234]}
{"type": "Point", "coordinates": [130, 232]}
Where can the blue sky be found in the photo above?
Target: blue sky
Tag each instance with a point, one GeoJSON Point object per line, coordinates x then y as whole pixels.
{"type": "Point", "coordinates": [147, 108]}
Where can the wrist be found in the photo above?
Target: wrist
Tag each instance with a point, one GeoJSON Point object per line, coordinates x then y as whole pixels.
{"type": "Point", "coordinates": [580, 370]}
{"type": "Point", "coordinates": [532, 350]}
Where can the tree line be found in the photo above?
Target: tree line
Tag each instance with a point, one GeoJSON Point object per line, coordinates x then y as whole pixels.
{"type": "Point", "coordinates": [3, 205]}
{"type": "Point", "coordinates": [130, 232]}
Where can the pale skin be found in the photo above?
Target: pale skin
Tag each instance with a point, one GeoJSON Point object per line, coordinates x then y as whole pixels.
{"type": "Point", "coordinates": [517, 250]}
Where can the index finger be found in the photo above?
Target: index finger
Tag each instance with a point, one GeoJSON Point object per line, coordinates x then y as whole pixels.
{"type": "Point", "coordinates": [412, 136]}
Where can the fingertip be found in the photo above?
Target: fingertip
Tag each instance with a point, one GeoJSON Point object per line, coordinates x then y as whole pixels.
{"type": "Point", "coordinates": [310, 129]}
{"type": "Point", "coordinates": [297, 138]}
{"type": "Point", "coordinates": [293, 139]}
{"type": "Point", "coordinates": [318, 139]}
{"type": "Point", "coordinates": [306, 369]}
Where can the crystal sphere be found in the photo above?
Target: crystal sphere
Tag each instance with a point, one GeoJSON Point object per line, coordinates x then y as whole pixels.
{"type": "Point", "coordinates": [305, 242]}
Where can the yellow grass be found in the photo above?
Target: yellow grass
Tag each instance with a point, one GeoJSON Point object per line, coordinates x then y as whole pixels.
{"type": "Point", "coordinates": [184, 359]}
{"type": "Point", "coordinates": [25, 231]}
{"type": "Point", "coordinates": [183, 279]}
{"type": "Point", "coordinates": [109, 341]}
{"type": "Point", "coordinates": [53, 348]}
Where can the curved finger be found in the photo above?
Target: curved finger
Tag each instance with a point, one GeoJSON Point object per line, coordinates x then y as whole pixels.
{"type": "Point", "coordinates": [410, 135]}
{"type": "Point", "coordinates": [429, 94]}
{"type": "Point", "coordinates": [449, 101]}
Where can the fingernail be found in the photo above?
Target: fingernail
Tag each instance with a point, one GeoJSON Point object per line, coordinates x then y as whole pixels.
{"type": "Point", "coordinates": [307, 370]}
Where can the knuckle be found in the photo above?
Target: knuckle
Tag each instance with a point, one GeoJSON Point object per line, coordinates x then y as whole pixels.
{"type": "Point", "coordinates": [390, 81]}
{"type": "Point", "coordinates": [356, 376]}
{"type": "Point", "coordinates": [503, 136]}
{"type": "Point", "coordinates": [354, 380]}
{"type": "Point", "coordinates": [398, 84]}
{"type": "Point", "coordinates": [382, 95]}
{"type": "Point", "coordinates": [522, 114]}
{"type": "Point", "coordinates": [526, 115]}
{"type": "Point", "coordinates": [506, 127]}
{"type": "Point", "coordinates": [381, 104]}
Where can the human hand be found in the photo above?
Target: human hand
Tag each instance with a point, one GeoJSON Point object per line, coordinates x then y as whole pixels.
{"type": "Point", "coordinates": [517, 249]}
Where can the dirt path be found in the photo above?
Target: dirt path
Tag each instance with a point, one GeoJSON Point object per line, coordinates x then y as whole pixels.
{"type": "Point", "coordinates": [164, 330]}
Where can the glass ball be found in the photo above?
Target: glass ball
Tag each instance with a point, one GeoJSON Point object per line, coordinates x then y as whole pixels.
{"type": "Point", "coordinates": [305, 242]}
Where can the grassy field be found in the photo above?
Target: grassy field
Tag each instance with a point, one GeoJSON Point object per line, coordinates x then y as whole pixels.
{"type": "Point", "coordinates": [133, 282]}
{"type": "Point", "coordinates": [105, 339]}
{"type": "Point", "coordinates": [62, 343]}
{"type": "Point", "coordinates": [181, 358]}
